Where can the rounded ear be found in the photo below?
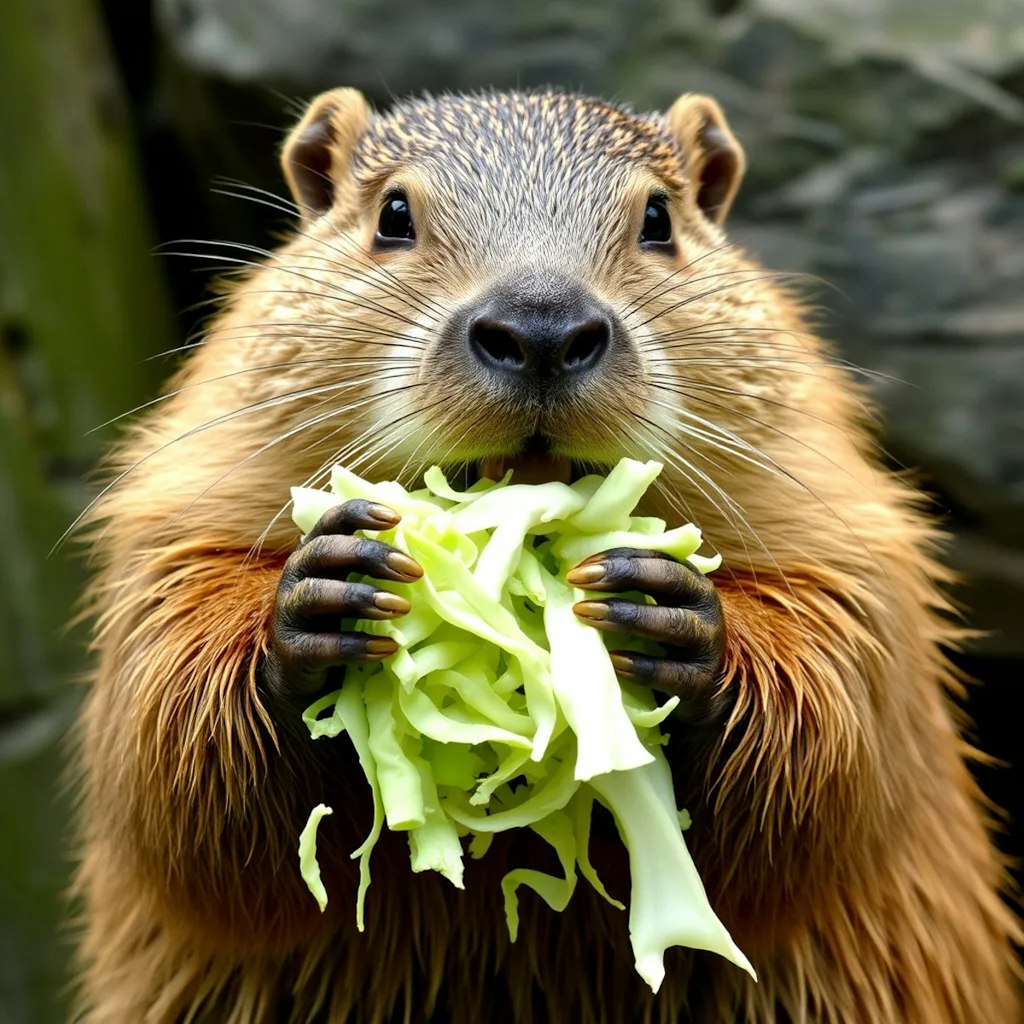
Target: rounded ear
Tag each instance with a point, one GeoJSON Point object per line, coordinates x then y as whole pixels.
{"type": "Point", "coordinates": [714, 159]}
{"type": "Point", "coordinates": [317, 153]}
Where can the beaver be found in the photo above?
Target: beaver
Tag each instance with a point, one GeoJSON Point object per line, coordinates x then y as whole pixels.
{"type": "Point", "coordinates": [535, 281]}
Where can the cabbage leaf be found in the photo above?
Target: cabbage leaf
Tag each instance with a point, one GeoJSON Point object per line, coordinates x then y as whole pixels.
{"type": "Point", "coordinates": [502, 710]}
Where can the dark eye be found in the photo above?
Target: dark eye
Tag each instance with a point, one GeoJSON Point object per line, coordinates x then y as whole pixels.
{"type": "Point", "coordinates": [395, 222]}
{"type": "Point", "coordinates": [657, 227]}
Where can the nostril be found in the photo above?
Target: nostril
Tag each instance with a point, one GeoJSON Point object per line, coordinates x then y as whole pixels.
{"type": "Point", "coordinates": [497, 345]}
{"type": "Point", "coordinates": [586, 346]}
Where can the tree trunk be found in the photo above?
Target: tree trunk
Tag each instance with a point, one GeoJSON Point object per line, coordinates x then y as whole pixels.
{"type": "Point", "coordinates": [81, 306]}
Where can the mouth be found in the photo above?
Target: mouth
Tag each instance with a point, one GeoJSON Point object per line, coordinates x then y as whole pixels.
{"type": "Point", "coordinates": [528, 469]}
{"type": "Point", "coordinates": [534, 463]}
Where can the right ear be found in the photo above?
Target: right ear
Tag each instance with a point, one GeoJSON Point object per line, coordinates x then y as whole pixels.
{"type": "Point", "coordinates": [317, 155]}
{"type": "Point", "coordinates": [714, 159]}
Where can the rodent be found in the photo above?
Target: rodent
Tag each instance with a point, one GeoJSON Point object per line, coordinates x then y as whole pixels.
{"type": "Point", "coordinates": [536, 281]}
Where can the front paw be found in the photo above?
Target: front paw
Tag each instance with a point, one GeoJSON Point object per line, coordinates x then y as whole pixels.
{"type": "Point", "coordinates": [687, 621]}
{"type": "Point", "coordinates": [314, 594]}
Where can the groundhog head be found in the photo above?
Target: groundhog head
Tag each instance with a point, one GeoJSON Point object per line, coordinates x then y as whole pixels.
{"type": "Point", "coordinates": [525, 260]}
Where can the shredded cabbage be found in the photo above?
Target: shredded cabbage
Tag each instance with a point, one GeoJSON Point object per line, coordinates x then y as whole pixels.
{"type": "Point", "coordinates": [502, 710]}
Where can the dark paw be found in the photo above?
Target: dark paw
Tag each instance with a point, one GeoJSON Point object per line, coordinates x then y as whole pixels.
{"type": "Point", "coordinates": [314, 594]}
{"type": "Point", "coordinates": [687, 621]}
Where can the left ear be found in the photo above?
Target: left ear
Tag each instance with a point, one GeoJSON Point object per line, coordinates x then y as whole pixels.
{"type": "Point", "coordinates": [714, 159]}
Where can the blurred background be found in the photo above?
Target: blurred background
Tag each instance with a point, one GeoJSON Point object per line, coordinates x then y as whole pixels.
{"type": "Point", "coordinates": [886, 146]}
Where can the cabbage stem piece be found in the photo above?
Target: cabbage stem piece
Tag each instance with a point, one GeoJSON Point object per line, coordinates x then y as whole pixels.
{"type": "Point", "coordinates": [667, 902]}
{"type": "Point", "coordinates": [587, 689]}
{"type": "Point", "coordinates": [308, 864]}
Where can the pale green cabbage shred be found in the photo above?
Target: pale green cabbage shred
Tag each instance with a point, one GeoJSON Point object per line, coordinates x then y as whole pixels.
{"type": "Point", "coordinates": [462, 738]}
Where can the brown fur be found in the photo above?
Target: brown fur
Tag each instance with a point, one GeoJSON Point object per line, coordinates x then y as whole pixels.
{"type": "Point", "coordinates": [836, 826]}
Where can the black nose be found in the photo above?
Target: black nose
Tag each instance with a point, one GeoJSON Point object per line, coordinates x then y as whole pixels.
{"type": "Point", "coordinates": [538, 340]}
